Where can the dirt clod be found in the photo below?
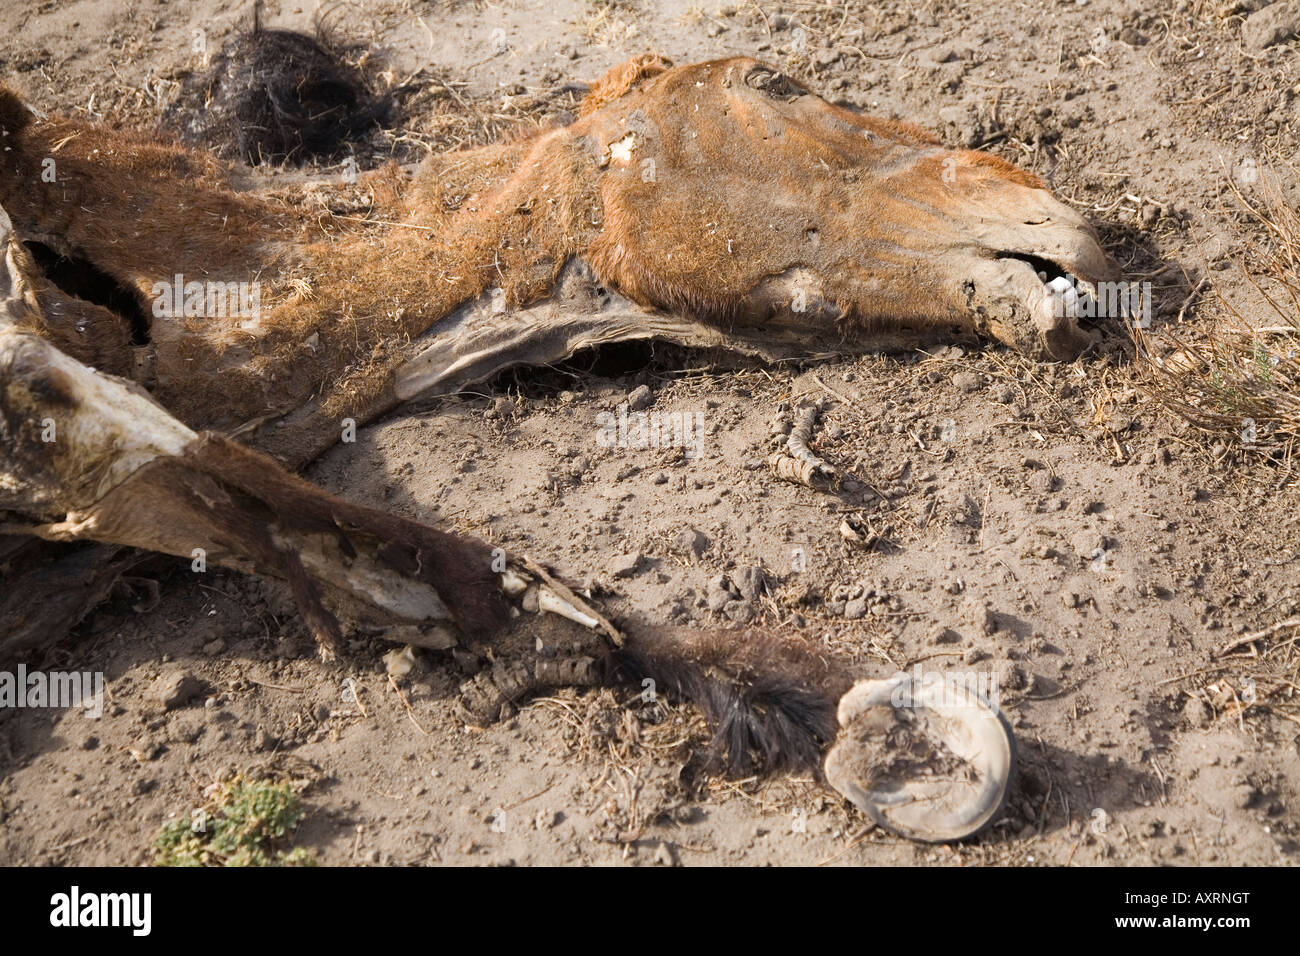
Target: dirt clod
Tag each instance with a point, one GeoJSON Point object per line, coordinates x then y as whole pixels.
{"type": "Point", "coordinates": [176, 688]}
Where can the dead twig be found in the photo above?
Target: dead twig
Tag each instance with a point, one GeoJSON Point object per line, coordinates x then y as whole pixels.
{"type": "Point", "coordinates": [1258, 635]}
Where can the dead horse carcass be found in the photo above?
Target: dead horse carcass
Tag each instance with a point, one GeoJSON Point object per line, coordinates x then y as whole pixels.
{"type": "Point", "coordinates": [718, 204]}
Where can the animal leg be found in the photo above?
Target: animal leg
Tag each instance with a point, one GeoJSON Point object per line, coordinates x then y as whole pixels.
{"type": "Point", "coordinates": [88, 456]}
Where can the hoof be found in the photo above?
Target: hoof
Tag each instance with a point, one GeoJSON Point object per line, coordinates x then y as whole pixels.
{"type": "Point", "coordinates": [931, 761]}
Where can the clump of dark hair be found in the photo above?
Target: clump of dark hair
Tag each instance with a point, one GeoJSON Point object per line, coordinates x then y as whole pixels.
{"type": "Point", "coordinates": [770, 699]}
{"type": "Point", "coordinates": [280, 96]}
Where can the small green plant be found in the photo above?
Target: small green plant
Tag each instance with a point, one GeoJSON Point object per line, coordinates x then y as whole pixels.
{"type": "Point", "coordinates": [244, 824]}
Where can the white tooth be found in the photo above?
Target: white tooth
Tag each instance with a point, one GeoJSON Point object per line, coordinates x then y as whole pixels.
{"type": "Point", "coordinates": [512, 583]}
{"type": "Point", "coordinates": [548, 600]}
{"type": "Point", "coordinates": [1063, 290]}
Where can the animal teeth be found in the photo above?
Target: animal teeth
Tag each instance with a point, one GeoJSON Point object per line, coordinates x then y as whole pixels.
{"type": "Point", "coordinates": [1076, 298]}
{"type": "Point", "coordinates": [548, 600]}
{"type": "Point", "coordinates": [1062, 286]}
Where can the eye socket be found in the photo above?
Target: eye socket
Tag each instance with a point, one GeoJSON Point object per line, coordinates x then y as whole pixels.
{"type": "Point", "coordinates": [774, 84]}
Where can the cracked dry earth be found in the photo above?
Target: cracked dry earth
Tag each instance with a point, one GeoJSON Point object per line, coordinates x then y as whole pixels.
{"type": "Point", "coordinates": [1045, 525]}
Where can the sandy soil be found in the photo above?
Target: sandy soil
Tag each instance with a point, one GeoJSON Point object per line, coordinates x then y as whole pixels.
{"type": "Point", "coordinates": [1045, 524]}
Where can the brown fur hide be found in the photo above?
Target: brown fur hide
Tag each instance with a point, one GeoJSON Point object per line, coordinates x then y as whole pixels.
{"type": "Point", "coordinates": [721, 192]}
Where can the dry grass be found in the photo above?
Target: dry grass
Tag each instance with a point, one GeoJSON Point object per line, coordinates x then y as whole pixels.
{"type": "Point", "coordinates": [1251, 676]}
{"type": "Point", "coordinates": [1239, 380]}
{"type": "Point", "coordinates": [609, 24]}
{"type": "Point", "coordinates": [442, 118]}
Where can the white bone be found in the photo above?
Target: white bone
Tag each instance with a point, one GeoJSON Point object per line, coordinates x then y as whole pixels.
{"type": "Point", "coordinates": [513, 584]}
{"type": "Point", "coordinates": [548, 600]}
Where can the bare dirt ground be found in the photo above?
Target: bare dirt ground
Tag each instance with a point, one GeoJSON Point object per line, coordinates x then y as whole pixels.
{"type": "Point", "coordinates": [1045, 524]}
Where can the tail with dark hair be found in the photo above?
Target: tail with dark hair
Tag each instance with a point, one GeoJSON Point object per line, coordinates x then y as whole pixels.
{"type": "Point", "coordinates": [770, 699]}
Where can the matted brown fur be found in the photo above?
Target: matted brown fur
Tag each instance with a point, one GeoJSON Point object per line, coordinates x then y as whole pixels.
{"type": "Point", "coordinates": [748, 181]}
